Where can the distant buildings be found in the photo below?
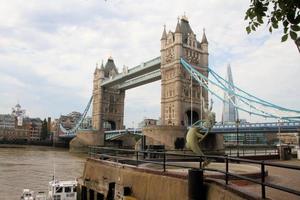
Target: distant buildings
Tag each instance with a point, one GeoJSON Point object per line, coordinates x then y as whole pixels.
{"type": "Point", "coordinates": [230, 115]}
{"type": "Point", "coordinates": [18, 127]}
{"type": "Point", "coordinates": [86, 123]}
{"type": "Point", "coordinates": [69, 121]}
{"type": "Point", "coordinates": [7, 121]}
{"type": "Point", "coordinates": [148, 122]}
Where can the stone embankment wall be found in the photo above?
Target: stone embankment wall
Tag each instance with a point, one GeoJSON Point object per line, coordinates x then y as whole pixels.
{"type": "Point", "coordinates": [84, 139]}
{"type": "Point", "coordinates": [143, 184]}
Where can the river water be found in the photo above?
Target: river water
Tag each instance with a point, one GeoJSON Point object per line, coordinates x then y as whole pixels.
{"type": "Point", "coordinates": [32, 167]}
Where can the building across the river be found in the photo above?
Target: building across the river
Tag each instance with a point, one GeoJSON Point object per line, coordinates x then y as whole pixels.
{"type": "Point", "coordinates": [19, 127]}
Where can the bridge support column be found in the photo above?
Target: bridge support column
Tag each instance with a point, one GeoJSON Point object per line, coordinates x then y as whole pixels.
{"type": "Point", "coordinates": [213, 144]}
{"type": "Point", "coordinates": [167, 136]}
{"type": "Point", "coordinates": [84, 139]}
{"type": "Point", "coordinates": [182, 101]}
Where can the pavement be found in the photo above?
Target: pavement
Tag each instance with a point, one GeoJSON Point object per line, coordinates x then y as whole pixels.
{"type": "Point", "coordinates": [283, 177]}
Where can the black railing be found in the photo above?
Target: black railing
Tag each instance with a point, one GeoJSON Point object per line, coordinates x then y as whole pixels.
{"type": "Point", "coordinates": [133, 157]}
{"type": "Point", "coordinates": [245, 150]}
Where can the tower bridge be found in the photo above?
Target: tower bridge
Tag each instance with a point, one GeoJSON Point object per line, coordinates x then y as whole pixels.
{"type": "Point", "coordinates": [183, 69]}
{"type": "Point", "coordinates": [176, 95]}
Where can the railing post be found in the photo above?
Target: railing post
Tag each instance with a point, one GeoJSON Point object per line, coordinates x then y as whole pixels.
{"type": "Point", "coordinates": [137, 158]}
{"type": "Point", "coordinates": [164, 164]}
{"type": "Point", "coordinates": [196, 190]}
{"type": "Point", "coordinates": [263, 188]}
{"type": "Point", "coordinates": [226, 175]}
{"type": "Point", "coordinates": [200, 162]}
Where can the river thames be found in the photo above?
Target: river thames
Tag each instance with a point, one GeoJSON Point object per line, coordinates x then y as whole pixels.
{"type": "Point", "coordinates": [33, 167]}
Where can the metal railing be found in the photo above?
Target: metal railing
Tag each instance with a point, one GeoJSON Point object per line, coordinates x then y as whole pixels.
{"type": "Point", "coordinates": [164, 159]}
{"type": "Point", "coordinates": [251, 151]}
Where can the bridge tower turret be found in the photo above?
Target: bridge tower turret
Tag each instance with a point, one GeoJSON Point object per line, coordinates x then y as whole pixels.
{"type": "Point", "coordinates": [96, 95]}
{"type": "Point", "coordinates": [108, 103]}
{"type": "Point", "coordinates": [181, 105]}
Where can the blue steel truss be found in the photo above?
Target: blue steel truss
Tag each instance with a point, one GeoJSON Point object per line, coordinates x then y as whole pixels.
{"type": "Point", "coordinates": [76, 127]}
{"type": "Point", "coordinates": [246, 102]}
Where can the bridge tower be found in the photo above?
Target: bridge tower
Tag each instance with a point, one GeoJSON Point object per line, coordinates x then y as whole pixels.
{"type": "Point", "coordinates": [180, 104]}
{"type": "Point", "coordinates": [108, 103]}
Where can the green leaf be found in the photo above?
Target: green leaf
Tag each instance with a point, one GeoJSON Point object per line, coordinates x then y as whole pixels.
{"type": "Point", "coordinates": [285, 29]}
{"type": "Point", "coordinates": [295, 28]}
{"type": "Point", "coordinates": [248, 29]}
{"type": "Point", "coordinates": [259, 19]}
{"type": "Point", "coordinates": [253, 27]}
{"type": "Point", "coordinates": [293, 35]}
{"type": "Point", "coordinates": [273, 20]}
{"type": "Point", "coordinates": [270, 29]}
{"type": "Point", "coordinates": [285, 23]}
{"type": "Point", "coordinates": [284, 38]}
{"type": "Point", "coordinates": [275, 25]}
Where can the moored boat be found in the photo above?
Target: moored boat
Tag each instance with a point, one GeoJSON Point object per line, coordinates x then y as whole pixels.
{"type": "Point", "coordinates": [27, 195]}
{"type": "Point", "coordinates": [62, 190]}
{"type": "Point", "coordinates": [57, 190]}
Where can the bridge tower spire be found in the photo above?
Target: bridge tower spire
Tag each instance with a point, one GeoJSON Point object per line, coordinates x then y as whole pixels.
{"type": "Point", "coordinates": [108, 103]}
{"type": "Point", "coordinates": [176, 95]}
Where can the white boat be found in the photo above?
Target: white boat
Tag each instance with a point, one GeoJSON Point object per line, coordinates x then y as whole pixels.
{"type": "Point", "coordinates": [27, 195]}
{"type": "Point", "coordinates": [62, 190]}
{"type": "Point", "coordinates": [58, 190]}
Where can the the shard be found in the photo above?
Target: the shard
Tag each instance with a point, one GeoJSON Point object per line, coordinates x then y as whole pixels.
{"type": "Point", "coordinates": [230, 113]}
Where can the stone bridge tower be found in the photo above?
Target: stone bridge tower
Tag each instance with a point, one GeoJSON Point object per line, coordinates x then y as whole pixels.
{"type": "Point", "coordinates": [108, 103]}
{"type": "Point", "coordinates": [176, 93]}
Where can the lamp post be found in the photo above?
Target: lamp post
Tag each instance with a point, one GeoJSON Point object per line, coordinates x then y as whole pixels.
{"type": "Point", "coordinates": [279, 134]}
{"type": "Point", "coordinates": [297, 42]}
{"type": "Point", "coordinates": [237, 138]}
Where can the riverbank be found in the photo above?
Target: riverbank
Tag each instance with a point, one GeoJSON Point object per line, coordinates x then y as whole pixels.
{"type": "Point", "coordinates": [34, 143]}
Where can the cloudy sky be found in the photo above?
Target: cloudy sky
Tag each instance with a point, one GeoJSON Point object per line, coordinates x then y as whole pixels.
{"type": "Point", "coordinates": [49, 49]}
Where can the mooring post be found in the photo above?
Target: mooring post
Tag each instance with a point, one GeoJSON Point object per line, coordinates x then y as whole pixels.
{"type": "Point", "coordinates": [196, 184]}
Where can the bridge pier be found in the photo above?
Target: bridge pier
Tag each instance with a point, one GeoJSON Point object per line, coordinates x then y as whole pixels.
{"type": "Point", "coordinates": [84, 139]}
{"type": "Point", "coordinates": [167, 135]}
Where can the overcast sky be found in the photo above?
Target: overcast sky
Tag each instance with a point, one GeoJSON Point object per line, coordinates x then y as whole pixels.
{"type": "Point", "coordinates": [49, 50]}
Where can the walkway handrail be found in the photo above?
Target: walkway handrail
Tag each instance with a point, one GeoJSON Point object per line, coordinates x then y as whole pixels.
{"type": "Point", "coordinates": [138, 157]}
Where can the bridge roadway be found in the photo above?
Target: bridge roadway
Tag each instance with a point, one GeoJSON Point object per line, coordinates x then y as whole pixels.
{"type": "Point", "coordinates": [144, 73]}
{"type": "Point", "coordinates": [273, 127]}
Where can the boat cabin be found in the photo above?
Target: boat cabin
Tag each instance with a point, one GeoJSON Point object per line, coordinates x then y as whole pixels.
{"type": "Point", "coordinates": [62, 190]}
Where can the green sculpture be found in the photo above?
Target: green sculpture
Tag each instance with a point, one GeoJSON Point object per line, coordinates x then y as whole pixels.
{"type": "Point", "coordinates": [194, 136]}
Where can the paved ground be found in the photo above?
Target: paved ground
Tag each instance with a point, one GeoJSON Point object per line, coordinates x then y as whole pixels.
{"type": "Point", "coordinates": [284, 177]}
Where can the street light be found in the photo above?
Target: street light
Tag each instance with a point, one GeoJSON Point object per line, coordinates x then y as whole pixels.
{"type": "Point", "coordinates": [297, 42]}
{"type": "Point", "coordinates": [237, 138]}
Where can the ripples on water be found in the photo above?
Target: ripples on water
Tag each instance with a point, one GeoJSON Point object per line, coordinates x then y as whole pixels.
{"type": "Point", "coordinates": [32, 167]}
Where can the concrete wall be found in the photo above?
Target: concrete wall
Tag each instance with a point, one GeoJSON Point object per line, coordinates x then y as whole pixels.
{"type": "Point", "coordinates": [164, 135]}
{"type": "Point", "coordinates": [145, 184]}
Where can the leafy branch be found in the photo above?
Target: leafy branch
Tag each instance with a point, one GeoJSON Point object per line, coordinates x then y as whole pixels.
{"type": "Point", "coordinates": [274, 13]}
